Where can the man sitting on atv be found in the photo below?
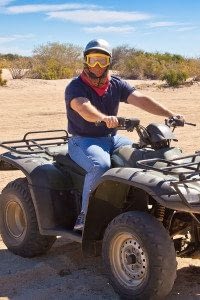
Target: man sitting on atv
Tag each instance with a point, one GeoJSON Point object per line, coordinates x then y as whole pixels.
{"type": "Point", "coordinates": [94, 96]}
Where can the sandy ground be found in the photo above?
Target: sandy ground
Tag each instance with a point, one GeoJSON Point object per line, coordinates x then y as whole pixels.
{"type": "Point", "coordinates": [63, 273]}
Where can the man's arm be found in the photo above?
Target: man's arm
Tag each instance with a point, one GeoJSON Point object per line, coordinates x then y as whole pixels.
{"type": "Point", "coordinates": [149, 104]}
{"type": "Point", "coordinates": [90, 113]}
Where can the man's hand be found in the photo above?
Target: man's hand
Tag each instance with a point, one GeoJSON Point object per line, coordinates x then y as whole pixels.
{"type": "Point", "coordinates": [111, 121]}
{"type": "Point", "coordinates": [176, 120]}
{"type": "Point", "coordinates": [180, 119]}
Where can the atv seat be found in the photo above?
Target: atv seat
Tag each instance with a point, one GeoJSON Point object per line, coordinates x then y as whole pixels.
{"type": "Point", "coordinates": [61, 156]}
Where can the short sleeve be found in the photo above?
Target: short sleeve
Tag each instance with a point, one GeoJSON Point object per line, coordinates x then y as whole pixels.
{"type": "Point", "coordinates": [126, 90]}
{"type": "Point", "coordinates": [74, 90]}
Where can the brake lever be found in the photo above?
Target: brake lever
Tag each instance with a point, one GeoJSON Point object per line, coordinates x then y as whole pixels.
{"type": "Point", "coordinates": [191, 124]}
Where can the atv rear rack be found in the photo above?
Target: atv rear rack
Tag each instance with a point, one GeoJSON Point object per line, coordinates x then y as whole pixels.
{"type": "Point", "coordinates": [31, 144]}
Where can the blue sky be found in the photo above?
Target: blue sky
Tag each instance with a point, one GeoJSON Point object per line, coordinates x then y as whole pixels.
{"type": "Point", "coordinates": [152, 25]}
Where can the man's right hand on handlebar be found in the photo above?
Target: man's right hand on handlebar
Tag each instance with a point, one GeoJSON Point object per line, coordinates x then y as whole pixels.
{"type": "Point", "coordinates": [111, 121]}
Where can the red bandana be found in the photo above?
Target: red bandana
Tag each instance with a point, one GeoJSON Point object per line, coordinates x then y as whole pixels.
{"type": "Point", "coordinates": [100, 90]}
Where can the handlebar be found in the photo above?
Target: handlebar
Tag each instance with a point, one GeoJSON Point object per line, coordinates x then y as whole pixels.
{"type": "Point", "coordinates": [130, 124]}
{"type": "Point", "coordinates": [123, 123]}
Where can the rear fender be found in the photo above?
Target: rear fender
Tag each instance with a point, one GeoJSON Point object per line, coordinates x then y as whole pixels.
{"type": "Point", "coordinates": [49, 188]}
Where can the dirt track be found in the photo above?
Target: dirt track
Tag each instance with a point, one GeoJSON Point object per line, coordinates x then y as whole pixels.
{"type": "Point", "coordinates": [63, 273]}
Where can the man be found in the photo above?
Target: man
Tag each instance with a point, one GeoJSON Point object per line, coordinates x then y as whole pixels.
{"type": "Point", "coordinates": [95, 96]}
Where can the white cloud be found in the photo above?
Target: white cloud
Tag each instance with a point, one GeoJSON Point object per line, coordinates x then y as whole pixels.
{"type": "Point", "coordinates": [148, 33]}
{"type": "Point", "coordinates": [5, 2]}
{"type": "Point", "coordinates": [183, 29]}
{"type": "Point", "coordinates": [98, 16]}
{"type": "Point", "coordinates": [163, 24]}
{"type": "Point", "coordinates": [35, 8]}
{"type": "Point", "coordinates": [15, 37]}
{"type": "Point", "coordinates": [109, 29]}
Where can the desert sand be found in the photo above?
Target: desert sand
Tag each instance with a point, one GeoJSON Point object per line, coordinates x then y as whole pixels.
{"type": "Point", "coordinates": [63, 273]}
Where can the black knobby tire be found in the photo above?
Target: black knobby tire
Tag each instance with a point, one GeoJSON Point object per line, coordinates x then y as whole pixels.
{"type": "Point", "coordinates": [139, 256]}
{"type": "Point", "coordinates": [18, 222]}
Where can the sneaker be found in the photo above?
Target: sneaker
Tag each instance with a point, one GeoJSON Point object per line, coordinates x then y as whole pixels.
{"type": "Point", "coordinates": [80, 222]}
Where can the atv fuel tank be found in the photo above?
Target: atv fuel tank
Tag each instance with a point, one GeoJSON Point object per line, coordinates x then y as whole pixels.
{"type": "Point", "coordinates": [127, 156]}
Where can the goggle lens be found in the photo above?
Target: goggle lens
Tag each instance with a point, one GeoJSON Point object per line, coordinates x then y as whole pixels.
{"type": "Point", "coordinates": [101, 59]}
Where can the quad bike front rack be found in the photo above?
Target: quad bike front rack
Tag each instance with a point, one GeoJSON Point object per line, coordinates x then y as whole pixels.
{"type": "Point", "coordinates": [35, 142]}
{"type": "Point", "coordinates": [186, 169]}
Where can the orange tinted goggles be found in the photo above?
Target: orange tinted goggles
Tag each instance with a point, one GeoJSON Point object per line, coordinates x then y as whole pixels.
{"type": "Point", "coordinates": [94, 59]}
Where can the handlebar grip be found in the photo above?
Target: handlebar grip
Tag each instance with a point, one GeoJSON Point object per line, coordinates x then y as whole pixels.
{"type": "Point", "coordinates": [121, 122]}
{"type": "Point", "coordinates": [99, 123]}
{"type": "Point", "coordinates": [124, 124]}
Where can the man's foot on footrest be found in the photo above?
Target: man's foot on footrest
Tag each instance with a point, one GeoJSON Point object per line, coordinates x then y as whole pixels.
{"type": "Point", "coordinates": [80, 222]}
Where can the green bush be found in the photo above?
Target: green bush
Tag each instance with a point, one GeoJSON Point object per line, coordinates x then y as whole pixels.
{"type": "Point", "coordinates": [174, 78]}
{"type": "Point", "coordinates": [52, 70]}
{"type": "Point", "coordinates": [2, 81]}
{"type": "Point", "coordinates": [60, 61]}
{"type": "Point", "coordinates": [56, 61]}
{"type": "Point", "coordinates": [137, 64]}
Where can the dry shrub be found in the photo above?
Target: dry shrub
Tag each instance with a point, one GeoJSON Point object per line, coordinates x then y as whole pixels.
{"type": "Point", "coordinates": [2, 81]}
{"type": "Point", "coordinates": [19, 68]}
{"type": "Point", "coordinates": [197, 78]}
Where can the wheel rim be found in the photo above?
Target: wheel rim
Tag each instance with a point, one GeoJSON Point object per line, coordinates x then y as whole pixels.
{"type": "Point", "coordinates": [129, 259]}
{"type": "Point", "coordinates": [15, 219]}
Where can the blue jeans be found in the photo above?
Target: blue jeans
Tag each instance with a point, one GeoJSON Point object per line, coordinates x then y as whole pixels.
{"type": "Point", "coordinates": [93, 155]}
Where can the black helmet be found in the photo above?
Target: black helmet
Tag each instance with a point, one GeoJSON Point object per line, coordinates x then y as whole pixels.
{"type": "Point", "coordinates": [100, 45]}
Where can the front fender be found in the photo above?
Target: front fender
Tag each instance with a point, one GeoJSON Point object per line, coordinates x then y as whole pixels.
{"type": "Point", "coordinates": [109, 194]}
{"type": "Point", "coordinates": [154, 183]}
{"type": "Point", "coordinates": [151, 182]}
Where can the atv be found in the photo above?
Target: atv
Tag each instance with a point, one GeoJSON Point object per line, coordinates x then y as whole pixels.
{"type": "Point", "coordinates": [143, 211]}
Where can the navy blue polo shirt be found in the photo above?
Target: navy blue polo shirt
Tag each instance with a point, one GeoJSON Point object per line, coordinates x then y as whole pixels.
{"type": "Point", "coordinates": [118, 91]}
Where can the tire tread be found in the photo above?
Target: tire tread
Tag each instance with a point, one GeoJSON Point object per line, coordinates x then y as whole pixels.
{"type": "Point", "coordinates": [161, 284]}
{"type": "Point", "coordinates": [35, 244]}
